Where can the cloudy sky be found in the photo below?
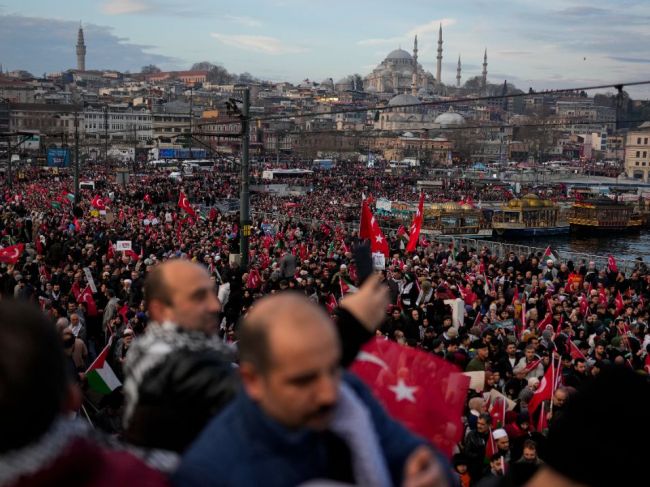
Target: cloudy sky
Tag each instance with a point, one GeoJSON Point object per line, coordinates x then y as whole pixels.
{"type": "Point", "coordinates": [543, 44]}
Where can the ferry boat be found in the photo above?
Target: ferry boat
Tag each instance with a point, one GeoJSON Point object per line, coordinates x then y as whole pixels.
{"type": "Point", "coordinates": [600, 215]}
{"type": "Point", "coordinates": [529, 216]}
{"type": "Point", "coordinates": [459, 219]}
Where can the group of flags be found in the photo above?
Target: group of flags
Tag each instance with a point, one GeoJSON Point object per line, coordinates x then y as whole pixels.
{"type": "Point", "coordinates": [369, 229]}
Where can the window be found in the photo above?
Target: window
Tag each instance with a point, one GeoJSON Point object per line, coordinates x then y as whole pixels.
{"type": "Point", "coordinates": [636, 163]}
{"type": "Point", "coordinates": [645, 153]}
{"type": "Point", "coordinates": [638, 153]}
{"type": "Point", "coordinates": [643, 164]}
{"type": "Point", "coordinates": [638, 140]}
{"type": "Point", "coordinates": [645, 141]}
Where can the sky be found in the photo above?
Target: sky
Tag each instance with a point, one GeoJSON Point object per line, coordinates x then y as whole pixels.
{"type": "Point", "coordinates": [531, 43]}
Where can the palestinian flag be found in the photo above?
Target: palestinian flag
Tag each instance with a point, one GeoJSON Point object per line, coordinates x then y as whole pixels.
{"type": "Point", "coordinates": [101, 377]}
{"type": "Point", "coordinates": [551, 253]}
{"type": "Point", "coordinates": [55, 204]}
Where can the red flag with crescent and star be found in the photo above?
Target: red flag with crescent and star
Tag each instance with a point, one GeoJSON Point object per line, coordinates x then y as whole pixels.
{"type": "Point", "coordinates": [422, 391]}
{"type": "Point", "coordinates": [416, 226]}
{"type": "Point", "coordinates": [98, 203]}
{"type": "Point", "coordinates": [184, 204]}
{"type": "Point", "coordinates": [11, 254]}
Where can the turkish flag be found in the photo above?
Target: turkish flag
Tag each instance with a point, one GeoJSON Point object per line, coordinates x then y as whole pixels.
{"type": "Point", "coordinates": [147, 199]}
{"type": "Point", "coordinates": [132, 254]}
{"type": "Point", "coordinates": [422, 391]}
{"type": "Point", "coordinates": [254, 279]}
{"type": "Point", "coordinates": [575, 351]}
{"type": "Point", "coordinates": [544, 392]}
{"type": "Point", "coordinates": [618, 301]}
{"type": "Point", "coordinates": [184, 204]}
{"type": "Point", "coordinates": [611, 264]}
{"type": "Point", "coordinates": [365, 227]}
{"type": "Point", "coordinates": [86, 296]}
{"type": "Point", "coordinates": [498, 412]}
{"type": "Point", "coordinates": [98, 203]}
{"type": "Point", "coordinates": [416, 226]}
{"type": "Point", "coordinates": [11, 254]}
{"type": "Point", "coordinates": [110, 253]}
{"type": "Point", "coordinates": [370, 230]}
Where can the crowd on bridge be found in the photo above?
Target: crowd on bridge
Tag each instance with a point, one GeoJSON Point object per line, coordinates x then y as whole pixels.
{"type": "Point", "coordinates": [536, 333]}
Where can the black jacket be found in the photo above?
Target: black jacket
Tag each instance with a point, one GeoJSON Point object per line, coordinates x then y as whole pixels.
{"type": "Point", "coordinates": [176, 399]}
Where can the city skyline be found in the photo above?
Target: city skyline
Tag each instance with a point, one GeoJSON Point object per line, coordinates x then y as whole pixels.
{"type": "Point", "coordinates": [558, 44]}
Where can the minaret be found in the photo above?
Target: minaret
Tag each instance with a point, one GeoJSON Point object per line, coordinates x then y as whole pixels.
{"type": "Point", "coordinates": [439, 67]}
{"type": "Point", "coordinates": [458, 73]}
{"type": "Point", "coordinates": [485, 69]}
{"type": "Point", "coordinates": [414, 82]}
{"type": "Point", "coordinates": [81, 50]}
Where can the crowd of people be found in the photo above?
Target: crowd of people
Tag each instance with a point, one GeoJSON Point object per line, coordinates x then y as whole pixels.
{"type": "Point", "coordinates": [176, 311]}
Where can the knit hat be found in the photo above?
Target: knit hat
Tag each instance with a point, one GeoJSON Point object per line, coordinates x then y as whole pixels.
{"type": "Point", "coordinates": [499, 433]}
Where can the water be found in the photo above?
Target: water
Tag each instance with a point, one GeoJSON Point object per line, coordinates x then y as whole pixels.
{"type": "Point", "coordinates": [622, 247]}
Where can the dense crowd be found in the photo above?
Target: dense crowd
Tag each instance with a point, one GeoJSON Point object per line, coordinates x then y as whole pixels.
{"type": "Point", "coordinates": [505, 321]}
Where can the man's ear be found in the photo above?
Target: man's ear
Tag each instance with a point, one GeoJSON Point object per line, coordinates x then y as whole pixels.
{"type": "Point", "coordinates": [251, 379]}
{"type": "Point", "coordinates": [158, 311]}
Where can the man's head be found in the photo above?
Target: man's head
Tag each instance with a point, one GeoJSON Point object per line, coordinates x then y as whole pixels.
{"type": "Point", "coordinates": [182, 292]}
{"type": "Point", "coordinates": [289, 361]}
{"type": "Point", "coordinates": [482, 350]}
{"type": "Point", "coordinates": [530, 352]}
{"type": "Point", "coordinates": [501, 439]}
{"type": "Point", "coordinates": [483, 423]}
{"type": "Point", "coordinates": [580, 365]}
{"type": "Point", "coordinates": [530, 451]}
{"type": "Point", "coordinates": [34, 386]}
{"type": "Point", "coordinates": [560, 396]}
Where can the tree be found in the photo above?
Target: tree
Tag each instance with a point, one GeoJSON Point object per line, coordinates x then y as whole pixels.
{"type": "Point", "coordinates": [202, 66]}
{"type": "Point", "coordinates": [150, 69]}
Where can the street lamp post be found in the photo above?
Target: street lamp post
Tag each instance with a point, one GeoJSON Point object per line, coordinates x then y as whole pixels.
{"type": "Point", "coordinates": [244, 209]}
{"type": "Point", "coordinates": [76, 158]}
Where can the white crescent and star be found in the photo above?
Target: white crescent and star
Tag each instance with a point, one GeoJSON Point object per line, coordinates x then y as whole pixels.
{"type": "Point", "coordinates": [403, 392]}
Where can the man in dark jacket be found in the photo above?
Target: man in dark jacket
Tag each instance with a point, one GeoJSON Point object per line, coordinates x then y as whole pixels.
{"type": "Point", "coordinates": [298, 419]}
{"type": "Point", "coordinates": [180, 374]}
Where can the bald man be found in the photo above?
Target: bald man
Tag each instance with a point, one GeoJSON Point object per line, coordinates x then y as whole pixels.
{"type": "Point", "coordinates": [298, 418]}
{"type": "Point", "coordinates": [180, 374]}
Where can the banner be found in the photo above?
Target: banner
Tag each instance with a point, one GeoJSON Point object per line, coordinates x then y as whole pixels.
{"type": "Point", "coordinates": [122, 245]}
{"type": "Point", "coordinates": [378, 261]}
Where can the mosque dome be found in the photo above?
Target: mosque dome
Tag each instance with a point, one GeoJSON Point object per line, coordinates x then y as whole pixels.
{"type": "Point", "coordinates": [450, 118]}
{"type": "Point", "coordinates": [398, 54]}
{"type": "Point", "coordinates": [404, 99]}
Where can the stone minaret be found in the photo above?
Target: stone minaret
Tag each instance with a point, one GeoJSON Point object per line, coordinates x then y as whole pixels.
{"type": "Point", "coordinates": [81, 51]}
{"type": "Point", "coordinates": [439, 67]}
{"type": "Point", "coordinates": [485, 69]}
{"type": "Point", "coordinates": [414, 81]}
{"type": "Point", "coordinates": [458, 73]}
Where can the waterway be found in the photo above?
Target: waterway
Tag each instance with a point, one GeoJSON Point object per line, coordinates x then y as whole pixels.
{"type": "Point", "coordinates": [621, 246]}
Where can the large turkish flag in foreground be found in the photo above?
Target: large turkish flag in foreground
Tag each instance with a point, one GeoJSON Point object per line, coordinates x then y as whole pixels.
{"type": "Point", "coordinates": [421, 390]}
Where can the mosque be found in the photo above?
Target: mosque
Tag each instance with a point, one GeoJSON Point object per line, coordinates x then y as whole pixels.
{"type": "Point", "coordinates": [401, 73]}
{"type": "Point", "coordinates": [402, 76]}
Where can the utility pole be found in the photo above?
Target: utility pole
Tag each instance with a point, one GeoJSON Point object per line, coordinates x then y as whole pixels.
{"type": "Point", "coordinates": [105, 134]}
{"type": "Point", "coordinates": [135, 143]}
{"type": "Point", "coordinates": [189, 139]}
{"type": "Point", "coordinates": [76, 158]}
{"type": "Point", "coordinates": [244, 209]}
